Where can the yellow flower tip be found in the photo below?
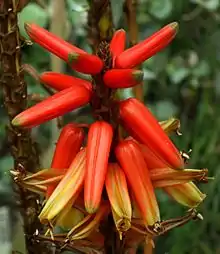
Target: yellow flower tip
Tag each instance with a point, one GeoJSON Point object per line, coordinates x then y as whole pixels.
{"type": "Point", "coordinates": [187, 194]}
{"type": "Point", "coordinates": [68, 188]}
{"type": "Point", "coordinates": [73, 57]}
{"type": "Point", "coordinates": [27, 25]}
{"type": "Point", "coordinates": [174, 26]}
{"type": "Point", "coordinates": [91, 209]}
{"type": "Point", "coordinates": [138, 75]}
{"type": "Point", "coordinates": [123, 225]}
{"type": "Point", "coordinates": [16, 121]}
{"type": "Point", "coordinates": [120, 30]}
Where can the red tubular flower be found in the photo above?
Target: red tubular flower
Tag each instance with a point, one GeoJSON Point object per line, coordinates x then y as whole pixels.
{"type": "Point", "coordinates": [118, 78]}
{"type": "Point", "coordinates": [117, 44]}
{"type": "Point", "coordinates": [147, 48]}
{"type": "Point", "coordinates": [186, 194]}
{"type": "Point", "coordinates": [59, 81]}
{"type": "Point", "coordinates": [140, 121]}
{"type": "Point", "coordinates": [67, 147]}
{"type": "Point", "coordinates": [98, 148]}
{"type": "Point", "coordinates": [183, 191]}
{"type": "Point", "coordinates": [132, 162]}
{"type": "Point", "coordinates": [151, 159]}
{"type": "Point", "coordinates": [67, 190]}
{"type": "Point", "coordinates": [85, 63]}
{"type": "Point", "coordinates": [80, 60]}
{"type": "Point", "coordinates": [54, 106]}
{"type": "Point", "coordinates": [118, 194]}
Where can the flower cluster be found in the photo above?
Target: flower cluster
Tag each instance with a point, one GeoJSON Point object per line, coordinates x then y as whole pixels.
{"type": "Point", "coordinates": [108, 170]}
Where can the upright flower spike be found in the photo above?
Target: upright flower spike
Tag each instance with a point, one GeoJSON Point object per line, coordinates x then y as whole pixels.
{"type": "Point", "coordinates": [144, 127]}
{"type": "Point", "coordinates": [81, 60]}
{"type": "Point", "coordinates": [68, 189]}
{"type": "Point", "coordinates": [118, 78]}
{"type": "Point", "coordinates": [59, 81]}
{"type": "Point", "coordinates": [67, 147]}
{"type": "Point", "coordinates": [186, 194]}
{"type": "Point", "coordinates": [117, 44]}
{"type": "Point", "coordinates": [98, 148]}
{"type": "Point", "coordinates": [147, 48]}
{"type": "Point", "coordinates": [54, 106]}
{"type": "Point", "coordinates": [117, 190]}
{"type": "Point", "coordinates": [132, 162]}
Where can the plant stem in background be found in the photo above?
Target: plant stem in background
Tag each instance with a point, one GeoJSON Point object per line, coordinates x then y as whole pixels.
{"type": "Point", "coordinates": [130, 12]}
{"type": "Point", "coordinates": [57, 26]}
{"type": "Point", "coordinates": [14, 90]}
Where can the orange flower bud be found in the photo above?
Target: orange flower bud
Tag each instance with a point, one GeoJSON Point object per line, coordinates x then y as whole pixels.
{"type": "Point", "coordinates": [64, 50]}
{"type": "Point", "coordinates": [186, 194]}
{"type": "Point", "coordinates": [134, 166]}
{"type": "Point", "coordinates": [118, 78]}
{"type": "Point", "coordinates": [147, 48]}
{"type": "Point", "coordinates": [68, 188]}
{"type": "Point", "coordinates": [54, 106]}
{"type": "Point", "coordinates": [98, 149]}
{"type": "Point", "coordinates": [67, 147]}
{"type": "Point", "coordinates": [119, 198]}
{"type": "Point", "coordinates": [60, 81]}
{"type": "Point", "coordinates": [139, 120]}
{"type": "Point", "coordinates": [85, 63]}
{"type": "Point", "coordinates": [117, 44]}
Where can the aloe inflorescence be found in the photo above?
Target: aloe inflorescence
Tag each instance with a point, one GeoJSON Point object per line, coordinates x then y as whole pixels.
{"type": "Point", "coordinates": [114, 170]}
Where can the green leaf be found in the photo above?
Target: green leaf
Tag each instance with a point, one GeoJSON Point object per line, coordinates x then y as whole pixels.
{"type": "Point", "coordinates": [117, 11]}
{"type": "Point", "coordinates": [202, 69]}
{"type": "Point", "coordinates": [164, 110]}
{"type": "Point", "coordinates": [178, 75]}
{"type": "Point", "coordinates": [161, 9]}
{"type": "Point", "coordinates": [217, 83]}
{"type": "Point", "coordinates": [32, 13]}
{"type": "Point", "coordinates": [211, 5]}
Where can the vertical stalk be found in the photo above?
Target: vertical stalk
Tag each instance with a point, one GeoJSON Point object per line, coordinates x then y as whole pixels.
{"type": "Point", "coordinates": [100, 33]}
{"type": "Point", "coordinates": [14, 88]}
{"type": "Point", "coordinates": [130, 11]}
{"type": "Point", "coordinates": [14, 92]}
{"type": "Point", "coordinates": [58, 27]}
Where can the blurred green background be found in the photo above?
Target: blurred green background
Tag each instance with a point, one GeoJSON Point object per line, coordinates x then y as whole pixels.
{"type": "Point", "coordinates": [181, 81]}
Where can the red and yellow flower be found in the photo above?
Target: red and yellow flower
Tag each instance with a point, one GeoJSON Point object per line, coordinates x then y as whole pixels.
{"type": "Point", "coordinates": [129, 168]}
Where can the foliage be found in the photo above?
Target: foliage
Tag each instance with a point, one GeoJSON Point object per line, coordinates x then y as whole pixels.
{"type": "Point", "coordinates": [182, 81]}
